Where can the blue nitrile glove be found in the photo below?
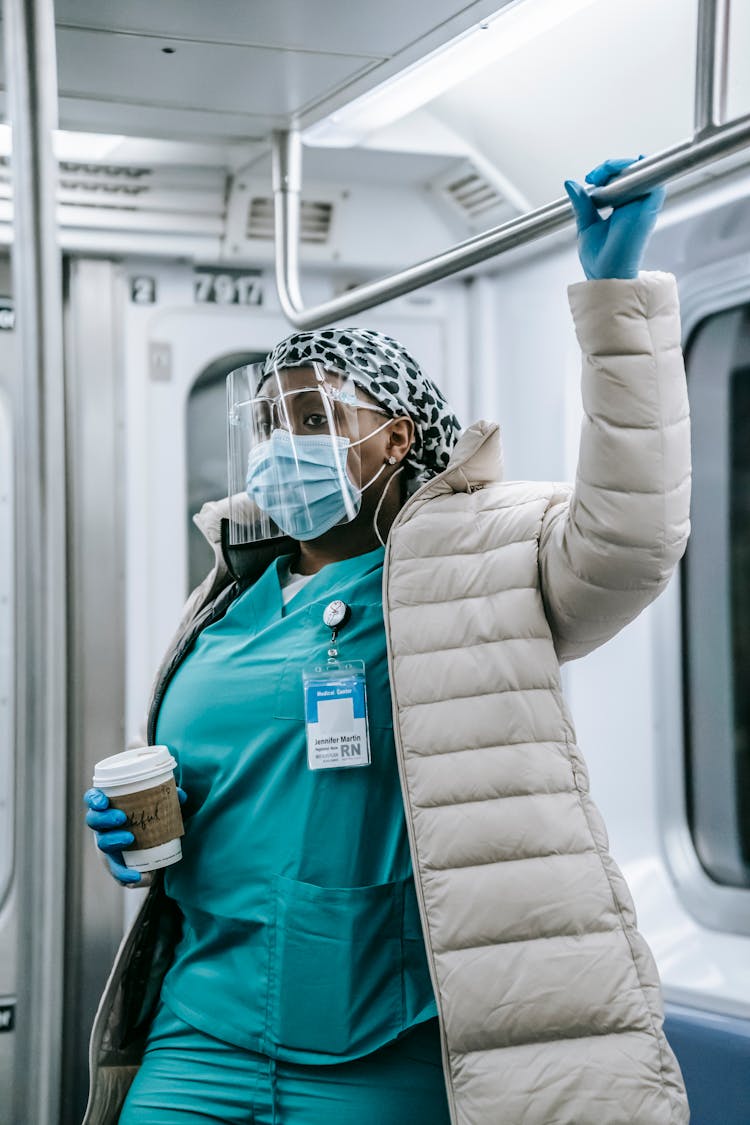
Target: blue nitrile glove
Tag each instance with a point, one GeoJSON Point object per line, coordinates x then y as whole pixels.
{"type": "Point", "coordinates": [110, 837]}
{"type": "Point", "coordinates": [613, 247]}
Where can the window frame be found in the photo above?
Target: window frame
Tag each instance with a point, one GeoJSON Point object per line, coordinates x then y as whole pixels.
{"type": "Point", "coordinates": [704, 292]}
{"type": "Point", "coordinates": [7, 650]}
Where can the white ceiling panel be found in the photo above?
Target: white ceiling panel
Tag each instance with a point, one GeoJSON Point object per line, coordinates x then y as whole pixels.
{"type": "Point", "coordinates": [354, 27]}
{"type": "Point", "coordinates": [222, 78]}
{"type": "Point", "coordinates": [232, 70]}
{"type": "Point", "coordinates": [140, 119]}
{"type": "Point", "coordinates": [364, 166]}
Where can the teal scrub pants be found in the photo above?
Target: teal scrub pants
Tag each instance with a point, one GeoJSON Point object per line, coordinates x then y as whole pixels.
{"type": "Point", "coordinates": [188, 1078]}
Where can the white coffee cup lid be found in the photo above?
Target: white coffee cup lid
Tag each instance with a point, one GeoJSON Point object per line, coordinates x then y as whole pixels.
{"type": "Point", "coordinates": [140, 764]}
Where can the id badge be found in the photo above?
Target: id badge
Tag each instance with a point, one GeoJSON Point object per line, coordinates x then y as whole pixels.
{"type": "Point", "coordinates": [336, 716]}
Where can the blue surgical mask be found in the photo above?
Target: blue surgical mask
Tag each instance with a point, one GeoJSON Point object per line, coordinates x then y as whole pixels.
{"type": "Point", "coordinates": [301, 482]}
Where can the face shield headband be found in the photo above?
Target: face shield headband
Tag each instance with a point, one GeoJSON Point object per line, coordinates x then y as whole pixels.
{"type": "Point", "coordinates": [384, 369]}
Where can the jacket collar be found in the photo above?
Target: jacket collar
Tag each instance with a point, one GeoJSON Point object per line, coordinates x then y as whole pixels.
{"type": "Point", "coordinates": [243, 562]}
{"type": "Point", "coordinates": [476, 460]}
{"type": "Point", "coordinates": [208, 520]}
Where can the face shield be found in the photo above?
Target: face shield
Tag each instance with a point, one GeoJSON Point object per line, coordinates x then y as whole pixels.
{"type": "Point", "coordinates": [294, 452]}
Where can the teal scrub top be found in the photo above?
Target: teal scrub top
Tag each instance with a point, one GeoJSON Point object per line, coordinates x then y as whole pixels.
{"type": "Point", "coordinates": [301, 935]}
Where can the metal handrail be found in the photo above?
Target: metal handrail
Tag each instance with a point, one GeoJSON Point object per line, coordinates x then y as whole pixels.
{"type": "Point", "coordinates": [40, 564]}
{"type": "Point", "coordinates": [711, 141]}
{"type": "Point", "coordinates": [711, 65]}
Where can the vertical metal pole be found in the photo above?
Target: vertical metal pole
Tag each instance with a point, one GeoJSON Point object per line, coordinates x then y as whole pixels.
{"type": "Point", "coordinates": [287, 188]}
{"type": "Point", "coordinates": [38, 407]}
{"type": "Point", "coordinates": [711, 64]}
{"type": "Point", "coordinates": [94, 300]}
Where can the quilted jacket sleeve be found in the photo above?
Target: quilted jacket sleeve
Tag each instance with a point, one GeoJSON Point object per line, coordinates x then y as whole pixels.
{"type": "Point", "coordinates": [608, 548]}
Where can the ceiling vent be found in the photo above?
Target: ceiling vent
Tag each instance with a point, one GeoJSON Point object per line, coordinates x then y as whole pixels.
{"type": "Point", "coordinates": [112, 183]}
{"type": "Point", "coordinates": [474, 195]}
{"type": "Point", "coordinates": [186, 197]}
{"type": "Point", "coordinates": [174, 209]}
{"type": "Point", "coordinates": [316, 217]}
{"type": "Point", "coordinates": [120, 172]}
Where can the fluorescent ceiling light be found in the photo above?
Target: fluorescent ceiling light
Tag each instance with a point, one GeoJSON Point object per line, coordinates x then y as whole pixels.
{"type": "Point", "coordinates": [498, 35]}
{"type": "Point", "coordinates": [84, 147]}
{"type": "Point", "coordinates": [74, 147]}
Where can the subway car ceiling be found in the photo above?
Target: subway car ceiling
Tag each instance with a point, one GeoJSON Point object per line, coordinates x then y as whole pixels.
{"type": "Point", "coordinates": [165, 147]}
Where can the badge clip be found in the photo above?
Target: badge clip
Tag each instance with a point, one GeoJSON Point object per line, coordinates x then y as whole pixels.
{"type": "Point", "coordinates": [335, 617]}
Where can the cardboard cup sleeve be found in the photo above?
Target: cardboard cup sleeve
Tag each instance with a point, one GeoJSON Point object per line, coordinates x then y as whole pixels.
{"type": "Point", "coordinates": [154, 815]}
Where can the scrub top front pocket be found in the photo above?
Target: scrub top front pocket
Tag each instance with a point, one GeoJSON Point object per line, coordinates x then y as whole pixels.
{"type": "Point", "coordinates": [335, 985]}
{"type": "Point", "coordinates": [290, 696]}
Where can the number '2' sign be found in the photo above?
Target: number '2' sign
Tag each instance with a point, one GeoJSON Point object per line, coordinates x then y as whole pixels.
{"type": "Point", "coordinates": [224, 287]}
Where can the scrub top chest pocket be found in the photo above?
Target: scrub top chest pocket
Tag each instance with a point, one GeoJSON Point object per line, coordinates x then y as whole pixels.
{"type": "Point", "coordinates": [364, 638]}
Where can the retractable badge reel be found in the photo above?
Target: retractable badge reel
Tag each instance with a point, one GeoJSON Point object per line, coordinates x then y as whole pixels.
{"type": "Point", "coordinates": [336, 704]}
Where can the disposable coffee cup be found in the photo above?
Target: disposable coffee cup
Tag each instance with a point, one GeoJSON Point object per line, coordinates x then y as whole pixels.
{"type": "Point", "coordinates": [141, 783]}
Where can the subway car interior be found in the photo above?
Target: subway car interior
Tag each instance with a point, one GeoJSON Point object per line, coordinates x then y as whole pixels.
{"type": "Point", "coordinates": [184, 184]}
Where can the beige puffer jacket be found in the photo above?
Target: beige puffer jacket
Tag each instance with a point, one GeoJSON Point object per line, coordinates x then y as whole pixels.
{"type": "Point", "coordinates": [548, 997]}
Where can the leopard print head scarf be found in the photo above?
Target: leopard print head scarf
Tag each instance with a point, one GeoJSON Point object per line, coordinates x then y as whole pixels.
{"type": "Point", "coordinates": [383, 368]}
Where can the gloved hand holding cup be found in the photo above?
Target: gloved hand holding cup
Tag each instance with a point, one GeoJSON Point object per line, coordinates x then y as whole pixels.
{"type": "Point", "coordinates": [134, 808]}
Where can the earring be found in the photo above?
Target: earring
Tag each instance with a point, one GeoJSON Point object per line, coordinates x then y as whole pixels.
{"type": "Point", "coordinates": [391, 460]}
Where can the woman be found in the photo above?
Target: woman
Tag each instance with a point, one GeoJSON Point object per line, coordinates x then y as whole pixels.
{"type": "Point", "coordinates": [440, 936]}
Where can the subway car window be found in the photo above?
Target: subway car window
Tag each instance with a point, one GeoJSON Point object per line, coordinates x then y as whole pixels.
{"type": "Point", "coordinates": [716, 618]}
{"type": "Point", "coordinates": [6, 648]}
{"type": "Point", "coordinates": [740, 592]}
{"type": "Point", "coordinates": [207, 453]}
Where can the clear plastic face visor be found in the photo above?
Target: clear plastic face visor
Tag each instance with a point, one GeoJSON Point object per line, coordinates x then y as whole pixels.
{"type": "Point", "coordinates": [293, 453]}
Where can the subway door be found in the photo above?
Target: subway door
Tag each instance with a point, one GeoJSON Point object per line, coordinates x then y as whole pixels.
{"type": "Point", "coordinates": [178, 349]}
{"type": "Point", "coordinates": [177, 356]}
{"type": "Point", "coordinates": [8, 917]}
